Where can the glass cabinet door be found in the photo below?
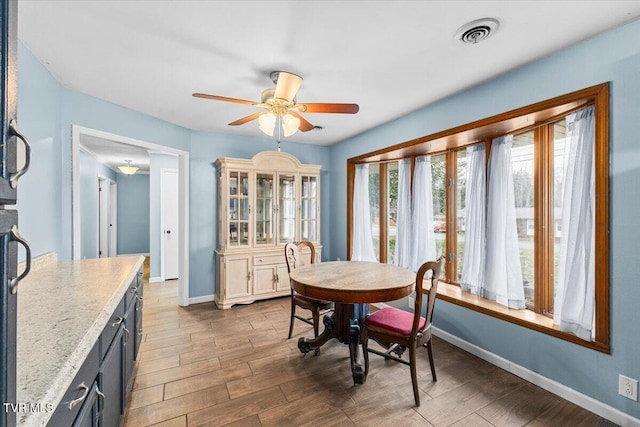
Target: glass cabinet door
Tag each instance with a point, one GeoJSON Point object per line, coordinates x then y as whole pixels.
{"type": "Point", "coordinates": [264, 209]}
{"type": "Point", "coordinates": [238, 208]}
{"type": "Point", "coordinates": [309, 208]}
{"type": "Point", "coordinates": [286, 208]}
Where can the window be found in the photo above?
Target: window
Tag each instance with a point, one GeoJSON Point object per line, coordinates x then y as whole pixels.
{"type": "Point", "coordinates": [392, 210]}
{"type": "Point", "coordinates": [538, 170]}
{"type": "Point", "coordinates": [522, 167]}
{"type": "Point", "coordinates": [461, 191]}
{"type": "Point", "coordinates": [374, 206]}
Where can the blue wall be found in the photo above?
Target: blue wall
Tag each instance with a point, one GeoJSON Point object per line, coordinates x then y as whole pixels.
{"type": "Point", "coordinates": [39, 203]}
{"type": "Point", "coordinates": [90, 169]}
{"type": "Point", "coordinates": [614, 57]}
{"type": "Point", "coordinates": [133, 213]}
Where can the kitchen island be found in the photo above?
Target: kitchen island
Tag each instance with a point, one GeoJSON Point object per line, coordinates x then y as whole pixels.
{"type": "Point", "coordinates": [66, 314]}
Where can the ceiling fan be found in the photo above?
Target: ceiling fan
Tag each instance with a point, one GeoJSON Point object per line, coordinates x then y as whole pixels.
{"type": "Point", "coordinates": [280, 106]}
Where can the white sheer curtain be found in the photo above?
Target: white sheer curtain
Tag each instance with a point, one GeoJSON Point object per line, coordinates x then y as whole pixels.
{"type": "Point", "coordinates": [472, 279]}
{"type": "Point", "coordinates": [362, 245]}
{"type": "Point", "coordinates": [404, 251]}
{"type": "Point", "coordinates": [574, 303]}
{"type": "Point", "coordinates": [424, 242]}
{"type": "Point", "coordinates": [503, 273]}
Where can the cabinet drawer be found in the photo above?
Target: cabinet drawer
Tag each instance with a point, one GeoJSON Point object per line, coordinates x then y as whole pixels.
{"type": "Point", "coordinates": [111, 328]}
{"type": "Point", "coordinates": [268, 259]}
{"type": "Point", "coordinates": [78, 391]}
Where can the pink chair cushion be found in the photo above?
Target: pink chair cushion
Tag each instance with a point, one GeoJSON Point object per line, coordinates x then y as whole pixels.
{"type": "Point", "coordinates": [394, 320]}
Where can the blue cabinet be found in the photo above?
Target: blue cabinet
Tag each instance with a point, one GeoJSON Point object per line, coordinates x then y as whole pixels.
{"type": "Point", "coordinates": [98, 394]}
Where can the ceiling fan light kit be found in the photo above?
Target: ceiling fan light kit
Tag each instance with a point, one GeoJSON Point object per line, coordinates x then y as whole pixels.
{"type": "Point", "coordinates": [281, 108]}
{"type": "Point", "coordinates": [267, 123]}
{"type": "Point", "coordinates": [290, 124]}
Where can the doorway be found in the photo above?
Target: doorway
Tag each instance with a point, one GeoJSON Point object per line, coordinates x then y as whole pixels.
{"type": "Point", "coordinates": [183, 197]}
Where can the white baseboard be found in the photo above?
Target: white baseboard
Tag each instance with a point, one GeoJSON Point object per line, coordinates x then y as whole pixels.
{"type": "Point", "coordinates": [582, 400]}
{"type": "Point", "coordinates": [203, 298]}
{"type": "Point", "coordinates": [155, 279]}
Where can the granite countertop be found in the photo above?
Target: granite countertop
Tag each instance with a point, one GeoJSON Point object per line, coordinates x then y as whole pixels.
{"type": "Point", "coordinates": [62, 309]}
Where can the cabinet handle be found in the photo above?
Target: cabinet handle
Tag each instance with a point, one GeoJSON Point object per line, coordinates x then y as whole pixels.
{"type": "Point", "coordinates": [15, 236]}
{"type": "Point", "coordinates": [126, 331]}
{"type": "Point", "coordinates": [101, 404]}
{"type": "Point", "coordinates": [81, 398]}
{"type": "Point", "coordinates": [249, 275]}
{"type": "Point", "coordinates": [13, 177]}
{"type": "Point", "coordinates": [139, 297]}
{"type": "Point", "coordinates": [117, 322]}
{"type": "Point", "coordinates": [134, 289]}
{"type": "Point", "coordinates": [140, 332]}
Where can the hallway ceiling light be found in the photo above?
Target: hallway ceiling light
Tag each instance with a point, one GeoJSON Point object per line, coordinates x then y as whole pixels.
{"type": "Point", "coordinates": [128, 169]}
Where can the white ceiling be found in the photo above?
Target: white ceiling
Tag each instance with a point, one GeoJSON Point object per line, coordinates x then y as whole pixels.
{"type": "Point", "coordinates": [390, 57]}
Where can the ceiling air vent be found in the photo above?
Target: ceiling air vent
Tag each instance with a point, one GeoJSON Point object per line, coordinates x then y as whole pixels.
{"type": "Point", "coordinates": [478, 30]}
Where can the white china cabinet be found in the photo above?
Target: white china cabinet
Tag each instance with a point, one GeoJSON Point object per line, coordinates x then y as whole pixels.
{"type": "Point", "coordinates": [263, 203]}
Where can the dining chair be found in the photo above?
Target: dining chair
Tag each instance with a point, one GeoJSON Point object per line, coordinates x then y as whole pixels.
{"type": "Point", "coordinates": [293, 253]}
{"type": "Point", "coordinates": [398, 330]}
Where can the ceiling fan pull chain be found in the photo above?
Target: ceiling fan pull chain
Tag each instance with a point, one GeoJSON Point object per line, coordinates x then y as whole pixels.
{"type": "Point", "coordinates": [279, 125]}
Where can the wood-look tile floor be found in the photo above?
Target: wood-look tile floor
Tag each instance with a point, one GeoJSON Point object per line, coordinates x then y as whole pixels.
{"type": "Point", "coordinates": [200, 366]}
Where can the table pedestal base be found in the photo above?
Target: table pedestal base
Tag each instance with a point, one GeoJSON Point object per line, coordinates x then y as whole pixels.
{"type": "Point", "coordinates": [345, 327]}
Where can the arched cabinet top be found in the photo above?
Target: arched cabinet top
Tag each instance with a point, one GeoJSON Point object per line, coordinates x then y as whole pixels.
{"type": "Point", "coordinates": [268, 161]}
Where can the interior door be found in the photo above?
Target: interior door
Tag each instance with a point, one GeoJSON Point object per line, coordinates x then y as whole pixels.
{"type": "Point", "coordinates": [103, 218]}
{"type": "Point", "coordinates": [113, 218]}
{"type": "Point", "coordinates": [169, 219]}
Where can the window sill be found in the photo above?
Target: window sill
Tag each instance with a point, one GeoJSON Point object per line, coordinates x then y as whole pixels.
{"type": "Point", "coordinates": [526, 318]}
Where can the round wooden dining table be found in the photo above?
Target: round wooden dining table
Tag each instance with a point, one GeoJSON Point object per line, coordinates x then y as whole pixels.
{"type": "Point", "coordinates": [350, 285]}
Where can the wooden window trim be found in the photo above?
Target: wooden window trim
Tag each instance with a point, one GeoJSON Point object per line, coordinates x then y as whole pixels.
{"type": "Point", "coordinates": [516, 121]}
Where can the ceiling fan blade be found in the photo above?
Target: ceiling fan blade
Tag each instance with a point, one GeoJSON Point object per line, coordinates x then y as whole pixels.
{"type": "Point", "coordinates": [224, 98]}
{"type": "Point", "coordinates": [246, 119]}
{"type": "Point", "coordinates": [329, 108]}
{"type": "Point", "coordinates": [305, 126]}
{"type": "Point", "coordinates": [287, 86]}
